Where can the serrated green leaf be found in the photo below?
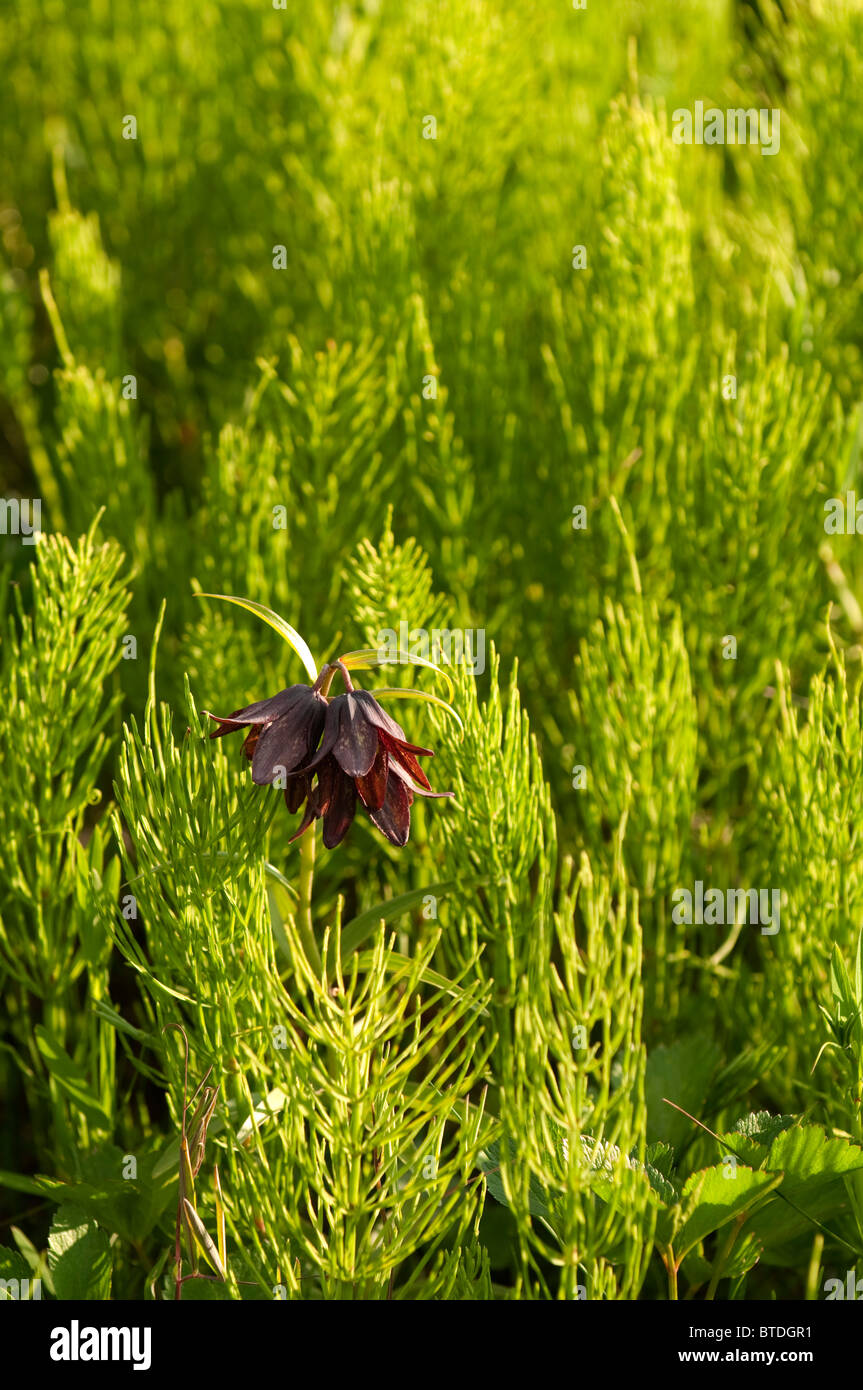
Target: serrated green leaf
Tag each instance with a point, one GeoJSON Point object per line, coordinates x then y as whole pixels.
{"type": "Point", "coordinates": [489, 1162]}
{"type": "Point", "coordinates": [13, 1267]}
{"type": "Point", "coordinates": [812, 1166]}
{"type": "Point", "coordinates": [762, 1127]}
{"type": "Point", "coordinates": [79, 1256]}
{"type": "Point", "coordinates": [812, 1193]}
{"type": "Point", "coordinates": [604, 1159]}
{"type": "Point", "coordinates": [723, 1193]}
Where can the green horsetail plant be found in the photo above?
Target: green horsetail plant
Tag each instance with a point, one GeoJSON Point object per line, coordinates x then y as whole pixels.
{"type": "Point", "coordinates": [347, 1087]}
{"type": "Point", "coordinates": [844, 1020]}
{"type": "Point", "coordinates": [57, 677]}
{"type": "Point", "coordinates": [592, 1111]}
{"type": "Point", "coordinates": [502, 931]}
{"type": "Point", "coordinates": [85, 280]}
{"type": "Point", "coordinates": [391, 583]}
{"type": "Point", "coordinates": [809, 793]}
{"type": "Point", "coordinates": [634, 773]}
{"type": "Point", "coordinates": [192, 1148]}
{"type": "Point", "coordinates": [361, 1162]}
{"type": "Point", "coordinates": [574, 1174]}
{"type": "Point", "coordinates": [568, 1065]}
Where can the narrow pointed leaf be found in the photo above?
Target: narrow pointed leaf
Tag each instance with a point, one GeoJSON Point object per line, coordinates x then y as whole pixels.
{"type": "Point", "coordinates": [220, 1218]}
{"type": "Point", "coordinates": [203, 1239]}
{"type": "Point", "coordinates": [360, 928]}
{"type": "Point", "coordinates": [279, 877]}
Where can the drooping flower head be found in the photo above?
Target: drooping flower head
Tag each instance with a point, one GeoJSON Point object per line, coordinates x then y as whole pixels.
{"type": "Point", "coordinates": [284, 730]}
{"type": "Point", "coordinates": [363, 756]}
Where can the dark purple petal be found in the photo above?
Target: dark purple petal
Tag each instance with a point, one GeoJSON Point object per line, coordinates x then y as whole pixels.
{"type": "Point", "coordinates": [403, 753]}
{"type": "Point", "coordinates": [394, 817]}
{"type": "Point", "coordinates": [377, 716]}
{"type": "Point", "coordinates": [356, 747]}
{"type": "Point", "coordinates": [262, 712]}
{"type": "Point", "coordinates": [411, 747]}
{"type": "Point", "coordinates": [340, 811]}
{"type": "Point", "coordinates": [226, 726]}
{"type": "Point", "coordinates": [311, 814]}
{"type": "Point", "coordinates": [331, 733]}
{"type": "Point", "coordinates": [373, 787]}
{"type": "Point", "coordinates": [320, 795]}
{"type": "Point", "coordinates": [285, 743]}
{"type": "Point", "coordinates": [328, 773]}
{"type": "Point", "coordinates": [363, 753]}
{"type": "Point", "coordinates": [296, 791]}
{"type": "Point", "coordinates": [417, 790]}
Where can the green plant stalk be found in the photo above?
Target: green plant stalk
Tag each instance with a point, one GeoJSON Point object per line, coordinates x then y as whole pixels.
{"type": "Point", "coordinates": [28, 418]}
{"type": "Point", "coordinates": [723, 1257]}
{"type": "Point", "coordinates": [308, 845]}
{"type": "Point", "coordinates": [814, 1271]}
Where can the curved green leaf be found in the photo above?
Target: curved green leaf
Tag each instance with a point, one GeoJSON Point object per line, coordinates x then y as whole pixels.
{"type": "Point", "coordinates": [720, 1198]}
{"type": "Point", "coordinates": [71, 1079]}
{"type": "Point", "coordinates": [367, 658]}
{"type": "Point", "coordinates": [399, 694]}
{"type": "Point", "coordinates": [290, 634]}
{"type": "Point", "coordinates": [360, 928]}
{"type": "Point", "coordinates": [203, 1239]}
{"type": "Point", "coordinates": [279, 877]}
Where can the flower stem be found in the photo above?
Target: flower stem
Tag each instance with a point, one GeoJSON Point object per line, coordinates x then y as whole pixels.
{"type": "Point", "coordinates": [349, 685]}
{"type": "Point", "coordinates": [722, 1258]}
{"type": "Point", "coordinates": [325, 679]}
{"type": "Point", "coordinates": [308, 843]}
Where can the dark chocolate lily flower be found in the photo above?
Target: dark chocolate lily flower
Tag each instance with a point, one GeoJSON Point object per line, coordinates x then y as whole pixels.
{"type": "Point", "coordinates": [283, 731]}
{"type": "Point", "coordinates": [363, 755]}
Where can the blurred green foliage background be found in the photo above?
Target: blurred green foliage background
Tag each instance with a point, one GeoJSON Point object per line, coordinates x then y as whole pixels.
{"type": "Point", "coordinates": [449, 260]}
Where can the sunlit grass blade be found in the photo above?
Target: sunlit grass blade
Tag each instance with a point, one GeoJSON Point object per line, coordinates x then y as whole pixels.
{"type": "Point", "coordinates": [279, 877]}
